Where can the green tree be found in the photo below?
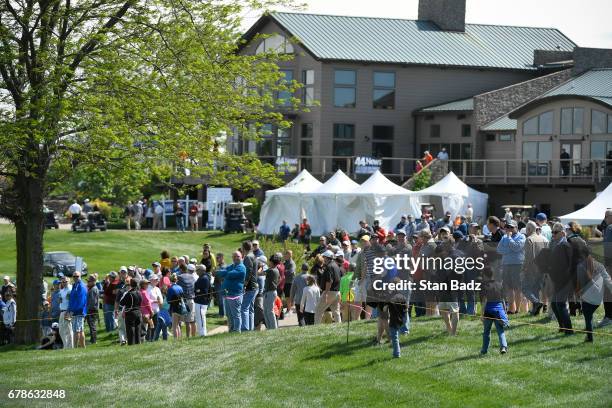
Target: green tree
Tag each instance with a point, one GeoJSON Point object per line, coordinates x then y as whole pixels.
{"type": "Point", "coordinates": [122, 85]}
{"type": "Point", "coordinates": [422, 180]}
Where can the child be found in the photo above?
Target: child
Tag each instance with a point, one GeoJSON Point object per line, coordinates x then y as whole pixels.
{"type": "Point", "coordinates": [9, 316]}
{"type": "Point", "coordinates": [310, 299]}
{"type": "Point", "coordinates": [397, 319]}
{"type": "Point", "coordinates": [277, 308]}
{"type": "Point", "coordinates": [493, 312]}
{"type": "Point", "coordinates": [46, 319]}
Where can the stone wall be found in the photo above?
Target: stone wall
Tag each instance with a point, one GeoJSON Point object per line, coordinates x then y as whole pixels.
{"type": "Point", "coordinates": [588, 58]}
{"type": "Point", "coordinates": [541, 57]}
{"type": "Point", "coordinates": [446, 14]}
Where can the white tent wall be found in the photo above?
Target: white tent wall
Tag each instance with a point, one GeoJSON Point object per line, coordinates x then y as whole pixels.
{"type": "Point", "coordinates": [593, 213]}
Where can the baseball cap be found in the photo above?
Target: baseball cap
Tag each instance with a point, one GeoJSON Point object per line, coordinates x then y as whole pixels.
{"type": "Point", "coordinates": [255, 242]}
{"type": "Point", "coordinates": [191, 267]}
{"type": "Point", "coordinates": [6, 277]}
{"type": "Point", "coordinates": [347, 243]}
{"type": "Point", "coordinates": [113, 274]}
{"type": "Point", "coordinates": [445, 228]}
{"type": "Point", "coordinates": [511, 223]}
{"type": "Point", "coordinates": [339, 254]}
{"type": "Point", "coordinates": [447, 213]}
{"type": "Point", "coordinates": [60, 275]}
{"type": "Point", "coordinates": [193, 261]}
{"type": "Point", "coordinates": [156, 264]}
{"type": "Point", "coordinates": [365, 237]}
{"type": "Point", "coordinates": [54, 325]}
{"type": "Point", "coordinates": [541, 217]}
{"type": "Point", "coordinates": [404, 216]}
{"type": "Point", "coordinates": [304, 266]}
{"type": "Point", "coordinates": [475, 225]}
{"type": "Point", "coordinates": [354, 242]}
{"type": "Point", "coordinates": [123, 269]}
{"type": "Point", "coordinates": [91, 278]}
{"type": "Point", "coordinates": [401, 232]}
{"type": "Point", "coordinates": [328, 254]}
{"type": "Point", "coordinates": [154, 278]}
{"type": "Point", "coordinates": [56, 282]}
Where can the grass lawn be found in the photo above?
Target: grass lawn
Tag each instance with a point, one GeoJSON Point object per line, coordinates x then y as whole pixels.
{"type": "Point", "coordinates": [314, 366]}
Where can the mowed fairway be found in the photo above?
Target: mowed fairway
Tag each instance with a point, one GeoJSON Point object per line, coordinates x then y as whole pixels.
{"type": "Point", "coordinates": [302, 367]}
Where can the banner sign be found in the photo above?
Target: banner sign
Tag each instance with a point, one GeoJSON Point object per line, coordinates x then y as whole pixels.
{"type": "Point", "coordinates": [366, 165]}
{"type": "Point", "coordinates": [287, 164]}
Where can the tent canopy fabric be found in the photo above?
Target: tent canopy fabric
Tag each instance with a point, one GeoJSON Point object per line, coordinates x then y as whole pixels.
{"type": "Point", "coordinates": [338, 183]}
{"type": "Point", "coordinates": [377, 183]}
{"type": "Point", "coordinates": [594, 212]}
{"type": "Point", "coordinates": [302, 183]}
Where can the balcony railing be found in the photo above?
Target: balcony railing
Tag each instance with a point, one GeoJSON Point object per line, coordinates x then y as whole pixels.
{"type": "Point", "coordinates": [474, 171]}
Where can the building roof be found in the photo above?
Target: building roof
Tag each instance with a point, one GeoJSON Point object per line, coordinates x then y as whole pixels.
{"type": "Point", "coordinates": [455, 106]}
{"type": "Point", "coordinates": [397, 41]}
{"type": "Point", "coordinates": [499, 124]}
{"type": "Point", "coordinates": [594, 85]}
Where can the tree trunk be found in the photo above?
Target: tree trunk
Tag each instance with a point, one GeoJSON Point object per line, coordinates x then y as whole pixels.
{"type": "Point", "coordinates": [29, 239]}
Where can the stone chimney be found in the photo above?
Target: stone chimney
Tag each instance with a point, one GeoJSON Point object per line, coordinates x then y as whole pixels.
{"type": "Point", "coordinates": [589, 58]}
{"type": "Point", "coordinates": [449, 15]}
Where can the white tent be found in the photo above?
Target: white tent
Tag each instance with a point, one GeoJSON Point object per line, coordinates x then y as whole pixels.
{"type": "Point", "coordinates": [284, 203]}
{"type": "Point", "coordinates": [455, 196]}
{"type": "Point", "coordinates": [594, 212]}
{"type": "Point", "coordinates": [323, 207]}
{"type": "Point", "coordinates": [378, 198]}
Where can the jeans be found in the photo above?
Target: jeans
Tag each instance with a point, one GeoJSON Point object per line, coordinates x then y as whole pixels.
{"type": "Point", "coordinates": [269, 316]}
{"type": "Point", "coordinates": [562, 315]}
{"type": "Point", "coordinates": [247, 310]}
{"type": "Point", "coordinates": [180, 223]}
{"type": "Point", "coordinates": [132, 326]}
{"type": "Point", "coordinates": [200, 315]}
{"type": "Point", "coordinates": [300, 315]}
{"type": "Point", "coordinates": [220, 300]}
{"type": "Point", "coordinates": [486, 334]}
{"type": "Point", "coordinates": [531, 286]}
{"type": "Point", "coordinates": [160, 327]}
{"type": "Point", "coordinates": [109, 318]}
{"type": "Point", "coordinates": [467, 298]}
{"type": "Point", "coordinates": [232, 308]}
{"type": "Point", "coordinates": [405, 328]}
{"type": "Point", "coordinates": [588, 310]}
{"type": "Point", "coordinates": [394, 336]}
{"type": "Point", "coordinates": [91, 322]}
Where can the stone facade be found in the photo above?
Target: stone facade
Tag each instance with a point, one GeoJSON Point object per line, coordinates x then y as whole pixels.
{"type": "Point", "coordinates": [541, 57]}
{"type": "Point", "coordinates": [447, 14]}
{"type": "Point", "coordinates": [589, 58]}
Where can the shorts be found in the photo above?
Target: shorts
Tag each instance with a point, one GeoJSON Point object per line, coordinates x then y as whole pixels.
{"type": "Point", "coordinates": [193, 219]}
{"type": "Point", "coordinates": [77, 323]}
{"type": "Point", "coordinates": [452, 307]}
{"type": "Point", "coordinates": [511, 275]}
{"type": "Point", "coordinates": [190, 316]}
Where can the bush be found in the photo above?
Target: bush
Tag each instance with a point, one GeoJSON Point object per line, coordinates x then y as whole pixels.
{"type": "Point", "coordinates": [422, 180]}
{"type": "Point", "coordinates": [255, 209]}
{"type": "Point", "coordinates": [270, 246]}
{"type": "Point", "coordinates": [104, 207]}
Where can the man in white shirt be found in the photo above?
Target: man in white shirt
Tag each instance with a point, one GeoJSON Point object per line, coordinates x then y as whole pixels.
{"type": "Point", "coordinates": [65, 326]}
{"type": "Point", "coordinates": [157, 216]}
{"type": "Point", "coordinates": [443, 155]}
{"type": "Point", "coordinates": [508, 216]}
{"type": "Point", "coordinates": [75, 210]}
{"type": "Point", "coordinates": [469, 213]}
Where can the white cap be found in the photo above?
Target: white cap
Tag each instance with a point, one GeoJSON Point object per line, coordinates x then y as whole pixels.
{"type": "Point", "coordinates": [123, 269]}
{"type": "Point", "coordinates": [255, 242]}
{"type": "Point", "coordinates": [328, 254]}
{"type": "Point", "coordinates": [339, 254]}
{"type": "Point", "coordinates": [191, 267]}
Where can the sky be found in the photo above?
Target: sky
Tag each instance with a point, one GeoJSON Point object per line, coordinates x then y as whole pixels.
{"type": "Point", "coordinates": [586, 22]}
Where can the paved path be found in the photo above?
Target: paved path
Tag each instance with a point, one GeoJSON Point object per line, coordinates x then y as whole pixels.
{"type": "Point", "coordinates": [290, 320]}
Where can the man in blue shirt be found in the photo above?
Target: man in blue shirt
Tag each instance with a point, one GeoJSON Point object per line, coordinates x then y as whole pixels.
{"type": "Point", "coordinates": [284, 231]}
{"type": "Point", "coordinates": [233, 287]}
{"type": "Point", "coordinates": [77, 306]}
{"type": "Point", "coordinates": [512, 249]}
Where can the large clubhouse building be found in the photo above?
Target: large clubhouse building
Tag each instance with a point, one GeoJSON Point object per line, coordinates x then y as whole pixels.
{"type": "Point", "coordinates": [507, 103]}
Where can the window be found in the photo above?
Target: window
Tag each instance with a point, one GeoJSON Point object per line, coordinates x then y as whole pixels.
{"type": "Point", "coordinates": [345, 93]}
{"type": "Point", "coordinates": [306, 131]}
{"type": "Point", "coordinates": [308, 78]}
{"type": "Point", "coordinates": [382, 132]}
{"type": "Point", "coordinates": [539, 125]}
{"type": "Point", "coordinates": [343, 145]}
{"type": "Point", "coordinates": [466, 130]}
{"type": "Point", "coordinates": [275, 43]}
{"type": "Point", "coordinates": [490, 137]}
{"type": "Point", "coordinates": [572, 121]}
{"type": "Point", "coordinates": [434, 131]}
{"type": "Point", "coordinates": [538, 154]}
{"type": "Point", "coordinates": [283, 143]}
{"type": "Point", "coordinates": [384, 90]}
{"type": "Point", "coordinates": [505, 137]}
{"type": "Point", "coordinates": [598, 122]}
{"type": "Point", "coordinates": [306, 145]}
{"type": "Point", "coordinates": [265, 145]}
{"type": "Point", "coordinates": [284, 97]}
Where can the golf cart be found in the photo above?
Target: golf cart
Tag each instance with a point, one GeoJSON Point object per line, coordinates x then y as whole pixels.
{"type": "Point", "coordinates": [50, 218]}
{"type": "Point", "coordinates": [90, 222]}
{"type": "Point", "coordinates": [237, 218]}
{"type": "Point", "coordinates": [521, 209]}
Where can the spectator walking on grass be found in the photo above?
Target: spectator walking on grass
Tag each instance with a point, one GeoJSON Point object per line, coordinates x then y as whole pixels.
{"type": "Point", "coordinates": [295, 294]}
{"type": "Point", "coordinates": [131, 302]}
{"type": "Point", "coordinates": [493, 312]}
{"type": "Point", "coordinates": [560, 265]}
{"type": "Point", "coordinates": [187, 282]}
{"type": "Point", "coordinates": [607, 252]}
{"type": "Point", "coordinates": [174, 297]}
{"type": "Point", "coordinates": [202, 298]}
{"type": "Point", "coordinates": [512, 249]}
{"type": "Point", "coordinates": [330, 284]}
{"type": "Point", "coordinates": [251, 287]}
{"type": "Point", "coordinates": [311, 296]}
{"type": "Point", "coordinates": [93, 303]}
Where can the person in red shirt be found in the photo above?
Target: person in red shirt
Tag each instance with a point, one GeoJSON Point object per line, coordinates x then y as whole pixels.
{"type": "Point", "coordinates": [193, 216]}
{"type": "Point", "coordinates": [305, 233]}
{"type": "Point", "coordinates": [419, 166]}
{"type": "Point", "coordinates": [380, 231]}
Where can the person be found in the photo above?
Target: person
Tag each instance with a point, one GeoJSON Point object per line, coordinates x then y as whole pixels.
{"type": "Point", "coordinates": [45, 318]}
{"type": "Point", "coordinates": [193, 216]}
{"type": "Point", "coordinates": [347, 250]}
{"type": "Point", "coordinates": [131, 302]}
{"type": "Point", "coordinates": [137, 214]}
{"type": "Point", "coordinates": [158, 213]}
{"type": "Point", "coordinates": [187, 282]}
{"type": "Point", "coordinates": [165, 261]}
{"type": "Point", "coordinates": [565, 163]}
{"type": "Point", "coordinates": [128, 214]}
{"type": "Point", "coordinates": [52, 340]}
{"type": "Point", "coordinates": [262, 267]}
{"type": "Point", "coordinates": [109, 288]}
{"type": "Point", "coordinates": [593, 280]}
{"type": "Point", "coordinates": [295, 293]}
{"type": "Point", "coordinates": [164, 319]}
{"type": "Point", "coordinates": [492, 312]}
{"type": "Point", "coordinates": [233, 289]}
{"type": "Point", "coordinates": [257, 251]}
{"type": "Point", "coordinates": [469, 213]}
{"type": "Point", "coordinates": [310, 299]}
{"type": "Point", "coordinates": [8, 286]}
{"type": "Point", "coordinates": [55, 302]}
{"type": "Point", "coordinates": [427, 157]}
{"type": "Point", "coordinates": [379, 232]}
{"type": "Point", "coordinates": [607, 253]}
{"type": "Point", "coordinates": [347, 294]}
{"type": "Point", "coordinates": [320, 249]}
{"type": "Point", "coordinates": [397, 308]}
{"type": "Point", "coordinates": [122, 288]}
{"type": "Point", "coordinates": [418, 166]}
{"type": "Point", "coordinates": [9, 317]}
{"type": "Point", "coordinates": [559, 270]}
{"type": "Point", "coordinates": [174, 298]}
{"type": "Point", "coordinates": [155, 296]}
{"type": "Point", "coordinates": [448, 298]}
{"type": "Point", "coordinates": [251, 287]}
{"type": "Point", "coordinates": [512, 249]}
{"type": "Point", "coordinates": [77, 308]}
{"type": "Point", "coordinates": [295, 233]}
{"type": "Point", "coordinates": [542, 222]}
{"type": "Point", "coordinates": [271, 284]}
{"type": "Point", "coordinates": [284, 231]}
{"type": "Point", "coordinates": [202, 298]}
{"type": "Point", "coordinates": [93, 302]}
{"type": "Point", "coordinates": [146, 310]}
{"type": "Point", "coordinates": [364, 229]}
{"type": "Point", "coordinates": [573, 236]}
{"type": "Point", "coordinates": [75, 211]}
{"type": "Point", "coordinates": [218, 283]}
{"type": "Point", "coordinates": [330, 286]}
{"type": "Point", "coordinates": [179, 217]}
{"type": "Point", "coordinates": [532, 277]}
{"type": "Point", "coordinates": [445, 222]}
{"type": "Point", "coordinates": [149, 214]}
{"type": "Point", "coordinates": [305, 234]}
{"type": "Point", "coordinates": [442, 154]}
{"type": "Point", "coordinates": [65, 325]}
{"type": "Point", "coordinates": [508, 215]}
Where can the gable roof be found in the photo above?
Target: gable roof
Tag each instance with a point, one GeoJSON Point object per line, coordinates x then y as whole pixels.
{"type": "Point", "coordinates": [463, 105]}
{"type": "Point", "coordinates": [594, 85]}
{"type": "Point", "coordinates": [501, 123]}
{"type": "Point", "coordinates": [414, 42]}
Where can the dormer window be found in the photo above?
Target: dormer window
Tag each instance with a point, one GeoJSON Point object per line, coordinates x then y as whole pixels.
{"type": "Point", "coordinates": [275, 43]}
